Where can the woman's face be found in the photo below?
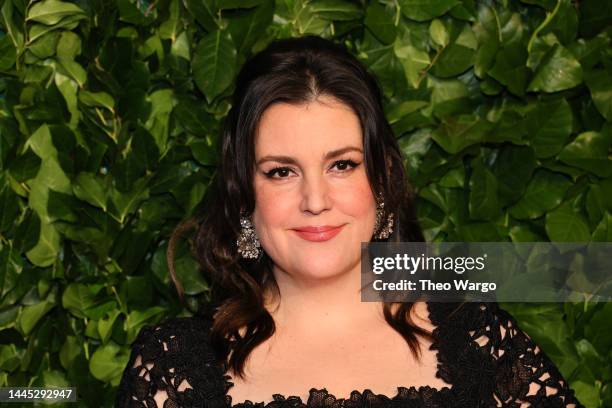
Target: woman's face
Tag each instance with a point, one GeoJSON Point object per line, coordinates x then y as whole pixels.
{"type": "Point", "coordinates": [313, 202]}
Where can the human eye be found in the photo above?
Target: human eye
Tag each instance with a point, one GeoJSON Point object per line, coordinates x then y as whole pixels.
{"type": "Point", "coordinates": [278, 172]}
{"type": "Point", "coordinates": [344, 165]}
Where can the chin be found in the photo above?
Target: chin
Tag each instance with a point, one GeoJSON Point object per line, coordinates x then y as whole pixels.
{"type": "Point", "coordinates": [321, 266]}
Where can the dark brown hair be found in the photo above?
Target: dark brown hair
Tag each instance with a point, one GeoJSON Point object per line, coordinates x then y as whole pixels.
{"type": "Point", "coordinates": [295, 71]}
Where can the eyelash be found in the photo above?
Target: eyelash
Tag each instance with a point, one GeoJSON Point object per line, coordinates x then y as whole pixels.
{"type": "Point", "coordinates": [349, 163]}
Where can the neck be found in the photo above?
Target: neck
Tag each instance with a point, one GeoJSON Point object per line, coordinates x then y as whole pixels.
{"type": "Point", "coordinates": [331, 303]}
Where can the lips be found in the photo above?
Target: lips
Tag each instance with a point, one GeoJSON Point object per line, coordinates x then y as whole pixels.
{"type": "Point", "coordinates": [318, 233]}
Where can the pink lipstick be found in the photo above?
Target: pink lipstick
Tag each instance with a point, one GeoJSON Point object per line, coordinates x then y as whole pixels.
{"type": "Point", "coordinates": [318, 233]}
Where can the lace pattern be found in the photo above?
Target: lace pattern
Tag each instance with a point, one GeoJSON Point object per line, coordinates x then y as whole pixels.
{"type": "Point", "coordinates": [481, 352]}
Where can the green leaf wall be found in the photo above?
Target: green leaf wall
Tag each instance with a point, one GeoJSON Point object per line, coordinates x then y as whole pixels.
{"type": "Point", "coordinates": [110, 112]}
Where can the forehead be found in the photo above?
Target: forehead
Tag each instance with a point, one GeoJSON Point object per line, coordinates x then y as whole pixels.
{"type": "Point", "coordinates": [316, 127]}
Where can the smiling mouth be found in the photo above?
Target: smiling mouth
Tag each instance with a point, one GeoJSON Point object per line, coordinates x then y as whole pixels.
{"type": "Point", "coordinates": [318, 233]}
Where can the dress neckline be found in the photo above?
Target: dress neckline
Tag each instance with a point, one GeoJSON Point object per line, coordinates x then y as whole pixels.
{"type": "Point", "coordinates": [355, 395]}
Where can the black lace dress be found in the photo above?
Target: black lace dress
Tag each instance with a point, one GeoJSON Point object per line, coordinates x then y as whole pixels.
{"type": "Point", "coordinates": [507, 369]}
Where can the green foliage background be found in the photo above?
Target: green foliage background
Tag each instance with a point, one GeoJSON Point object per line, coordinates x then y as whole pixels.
{"type": "Point", "coordinates": [110, 110]}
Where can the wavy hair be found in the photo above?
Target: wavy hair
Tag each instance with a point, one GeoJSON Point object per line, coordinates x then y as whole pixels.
{"type": "Point", "coordinates": [294, 71]}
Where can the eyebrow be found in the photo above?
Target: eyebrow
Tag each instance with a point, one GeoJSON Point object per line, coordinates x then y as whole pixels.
{"type": "Point", "coordinates": [291, 160]}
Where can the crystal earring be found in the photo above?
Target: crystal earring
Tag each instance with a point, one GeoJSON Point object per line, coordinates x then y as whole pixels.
{"type": "Point", "coordinates": [248, 243]}
{"type": "Point", "coordinates": [382, 231]}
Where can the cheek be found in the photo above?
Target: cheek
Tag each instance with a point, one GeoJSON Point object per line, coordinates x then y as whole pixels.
{"type": "Point", "coordinates": [356, 200]}
{"type": "Point", "coordinates": [272, 208]}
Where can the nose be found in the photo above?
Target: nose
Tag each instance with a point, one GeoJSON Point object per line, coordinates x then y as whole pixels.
{"type": "Point", "coordinates": [315, 195]}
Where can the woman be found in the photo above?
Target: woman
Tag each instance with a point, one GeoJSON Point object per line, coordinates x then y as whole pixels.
{"type": "Point", "coordinates": [310, 169]}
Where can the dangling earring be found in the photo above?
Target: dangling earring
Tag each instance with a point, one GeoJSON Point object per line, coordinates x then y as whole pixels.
{"type": "Point", "coordinates": [387, 228]}
{"type": "Point", "coordinates": [248, 243]}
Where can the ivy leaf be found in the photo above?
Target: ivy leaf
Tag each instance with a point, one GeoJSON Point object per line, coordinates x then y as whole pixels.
{"type": "Point", "coordinates": [455, 134]}
{"type": "Point", "coordinates": [500, 31]}
{"type": "Point", "coordinates": [69, 88]}
{"type": "Point", "coordinates": [600, 84]}
{"type": "Point", "coordinates": [380, 21]}
{"type": "Point", "coordinates": [88, 187]}
{"type": "Point", "coordinates": [10, 27]}
{"type": "Point", "coordinates": [603, 231]}
{"type": "Point", "coordinates": [77, 297]}
{"type": "Point", "coordinates": [544, 192]}
{"type": "Point", "coordinates": [412, 59]}
{"type": "Point", "coordinates": [213, 63]}
{"type": "Point", "coordinates": [565, 23]}
{"type": "Point", "coordinates": [27, 233]}
{"type": "Point", "coordinates": [8, 53]}
{"type": "Point", "coordinates": [438, 33]}
{"type": "Point", "coordinates": [549, 125]}
{"type": "Point", "coordinates": [204, 12]}
{"type": "Point", "coordinates": [597, 202]}
{"type": "Point", "coordinates": [45, 251]}
{"type": "Point", "coordinates": [11, 266]}
{"type": "Point", "coordinates": [339, 10]}
{"type": "Point", "coordinates": [246, 28]}
{"type": "Point", "coordinates": [162, 103]}
{"type": "Point", "coordinates": [589, 151]}
{"type": "Point", "coordinates": [559, 70]}
{"type": "Point", "coordinates": [566, 225]}
{"type": "Point", "coordinates": [73, 70]}
{"type": "Point", "coordinates": [44, 47]}
{"type": "Point", "coordinates": [449, 97]}
{"type": "Point", "coordinates": [69, 351]}
{"type": "Point", "coordinates": [130, 13]}
{"type": "Point", "coordinates": [546, 4]}
{"type": "Point", "coordinates": [99, 99]}
{"type": "Point", "coordinates": [454, 60]}
{"type": "Point", "coordinates": [107, 363]}
{"type": "Point", "coordinates": [513, 170]}
{"type": "Point", "coordinates": [170, 28]}
{"type": "Point", "coordinates": [425, 10]}
{"type": "Point", "coordinates": [233, 4]}
{"type": "Point", "coordinates": [509, 68]}
{"type": "Point", "coordinates": [31, 315]}
{"type": "Point", "coordinates": [482, 231]}
{"type": "Point", "coordinates": [204, 151]}
{"type": "Point", "coordinates": [483, 204]}
{"type": "Point", "coordinates": [455, 178]}
{"type": "Point", "coordinates": [69, 45]}
{"type": "Point", "coordinates": [458, 55]}
{"type": "Point", "coordinates": [125, 203]}
{"type": "Point", "coordinates": [9, 207]}
{"type": "Point", "coordinates": [137, 318]}
{"type": "Point", "coordinates": [50, 12]}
